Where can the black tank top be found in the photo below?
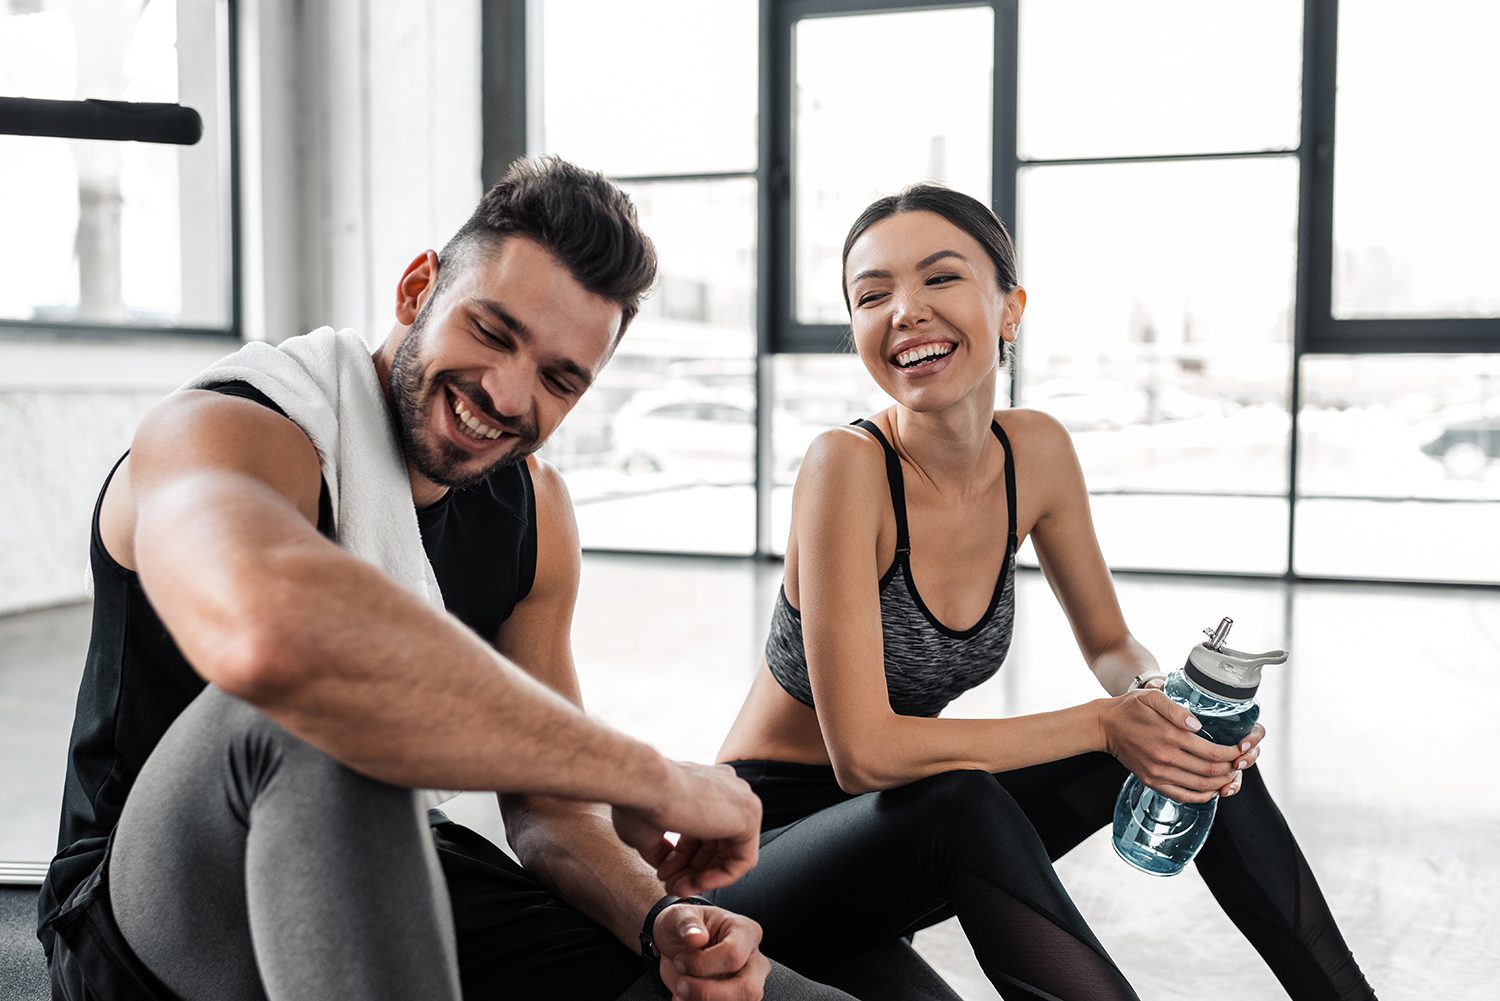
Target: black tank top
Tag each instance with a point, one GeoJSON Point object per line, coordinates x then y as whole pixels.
{"type": "Point", "coordinates": [482, 545]}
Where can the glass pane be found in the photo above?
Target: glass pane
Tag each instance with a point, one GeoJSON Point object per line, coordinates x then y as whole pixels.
{"type": "Point", "coordinates": [1399, 467]}
{"type": "Point", "coordinates": [667, 87]}
{"type": "Point", "coordinates": [106, 232]}
{"type": "Point", "coordinates": [1104, 78]}
{"type": "Point", "coordinates": [1416, 206]}
{"type": "Point", "coordinates": [1158, 329]}
{"type": "Point", "coordinates": [861, 131]}
{"type": "Point", "coordinates": [813, 393]}
{"type": "Point", "coordinates": [660, 453]}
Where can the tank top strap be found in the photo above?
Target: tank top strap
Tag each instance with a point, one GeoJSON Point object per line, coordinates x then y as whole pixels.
{"type": "Point", "coordinates": [897, 484]}
{"type": "Point", "coordinates": [1010, 477]}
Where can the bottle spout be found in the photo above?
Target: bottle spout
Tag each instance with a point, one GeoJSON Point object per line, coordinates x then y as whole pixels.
{"type": "Point", "coordinates": [1218, 634]}
{"type": "Point", "coordinates": [1253, 660]}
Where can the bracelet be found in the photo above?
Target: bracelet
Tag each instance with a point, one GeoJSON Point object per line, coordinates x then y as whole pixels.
{"type": "Point", "coordinates": [1141, 680]}
{"type": "Point", "coordinates": [649, 953]}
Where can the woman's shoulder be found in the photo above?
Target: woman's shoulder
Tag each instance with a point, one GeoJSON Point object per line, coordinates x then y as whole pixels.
{"type": "Point", "coordinates": [844, 472]}
{"type": "Point", "coordinates": [844, 452]}
{"type": "Point", "coordinates": [1034, 430]}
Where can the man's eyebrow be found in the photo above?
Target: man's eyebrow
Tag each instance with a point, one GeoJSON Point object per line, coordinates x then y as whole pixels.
{"type": "Point", "coordinates": [500, 313]}
{"type": "Point", "coordinates": [523, 333]}
{"type": "Point", "coordinates": [933, 258]}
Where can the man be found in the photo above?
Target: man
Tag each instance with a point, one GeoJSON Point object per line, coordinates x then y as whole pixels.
{"type": "Point", "coordinates": [261, 837]}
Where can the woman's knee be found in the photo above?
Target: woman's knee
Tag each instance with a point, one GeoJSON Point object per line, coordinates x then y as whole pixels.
{"type": "Point", "coordinates": [957, 803]}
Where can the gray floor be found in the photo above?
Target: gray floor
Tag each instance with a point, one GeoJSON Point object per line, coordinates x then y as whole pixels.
{"type": "Point", "coordinates": [1382, 750]}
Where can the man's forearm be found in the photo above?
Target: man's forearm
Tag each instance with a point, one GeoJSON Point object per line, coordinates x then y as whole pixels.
{"type": "Point", "coordinates": [349, 661]}
{"type": "Point", "coordinates": [572, 848]}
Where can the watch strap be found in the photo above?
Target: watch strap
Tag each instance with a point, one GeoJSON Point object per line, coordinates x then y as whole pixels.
{"type": "Point", "coordinates": [649, 953]}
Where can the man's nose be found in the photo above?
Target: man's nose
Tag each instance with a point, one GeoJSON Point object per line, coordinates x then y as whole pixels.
{"type": "Point", "coordinates": [509, 387]}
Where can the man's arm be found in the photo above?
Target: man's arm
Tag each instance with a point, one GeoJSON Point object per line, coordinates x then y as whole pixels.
{"type": "Point", "coordinates": [220, 529]}
{"type": "Point", "coordinates": [568, 845]}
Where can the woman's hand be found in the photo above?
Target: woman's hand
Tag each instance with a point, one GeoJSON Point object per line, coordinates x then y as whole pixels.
{"type": "Point", "coordinates": [1157, 739]}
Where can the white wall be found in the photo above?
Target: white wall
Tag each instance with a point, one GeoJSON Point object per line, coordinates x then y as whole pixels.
{"type": "Point", "coordinates": [360, 148]}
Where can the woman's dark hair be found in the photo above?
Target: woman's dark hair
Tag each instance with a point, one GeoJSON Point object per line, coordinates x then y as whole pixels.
{"type": "Point", "coordinates": [968, 214]}
{"type": "Point", "coordinates": [581, 219]}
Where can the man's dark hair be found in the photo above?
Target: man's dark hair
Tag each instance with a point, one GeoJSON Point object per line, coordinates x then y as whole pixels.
{"type": "Point", "coordinates": [968, 214]}
{"type": "Point", "coordinates": [578, 216]}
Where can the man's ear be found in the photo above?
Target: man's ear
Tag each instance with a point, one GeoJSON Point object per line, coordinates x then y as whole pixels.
{"type": "Point", "coordinates": [417, 284]}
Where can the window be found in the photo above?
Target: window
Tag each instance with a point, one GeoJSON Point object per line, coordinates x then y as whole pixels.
{"type": "Point", "coordinates": [104, 234]}
{"type": "Point", "coordinates": [661, 453]}
{"type": "Point", "coordinates": [1223, 213]}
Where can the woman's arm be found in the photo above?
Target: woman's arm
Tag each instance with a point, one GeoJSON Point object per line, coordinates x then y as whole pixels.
{"type": "Point", "coordinates": [838, 511]}
{"type": "Point", "coordinates": [1068, 550]}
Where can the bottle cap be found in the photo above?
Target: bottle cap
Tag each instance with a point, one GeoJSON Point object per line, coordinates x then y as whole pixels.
{"type": "Point", "coordinates": [1232, 674]}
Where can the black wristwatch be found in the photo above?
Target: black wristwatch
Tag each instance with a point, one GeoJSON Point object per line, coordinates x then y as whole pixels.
{"type": "Point", "coordinates": [649, 953]}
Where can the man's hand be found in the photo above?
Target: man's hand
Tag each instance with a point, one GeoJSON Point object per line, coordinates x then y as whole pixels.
{"type": "Point", "coordinates": [718, 818]}
{"type": "Point", "coordinates": [709, 954]}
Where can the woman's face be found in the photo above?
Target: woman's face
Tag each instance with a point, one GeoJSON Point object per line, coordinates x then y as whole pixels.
{"type": "Point", "coordinates": [927, 312]}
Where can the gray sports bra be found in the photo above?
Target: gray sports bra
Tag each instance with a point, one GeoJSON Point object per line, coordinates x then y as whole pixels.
{"type": "Point", "coordinates": [927, 665]}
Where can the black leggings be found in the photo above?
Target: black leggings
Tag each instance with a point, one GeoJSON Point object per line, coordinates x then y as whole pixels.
{"type": "Point", "coordinates": [839, 874]}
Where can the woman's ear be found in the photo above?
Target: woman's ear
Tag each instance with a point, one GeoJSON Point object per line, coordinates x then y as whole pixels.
{"type": "Point", "coordinates": [1010, 321]}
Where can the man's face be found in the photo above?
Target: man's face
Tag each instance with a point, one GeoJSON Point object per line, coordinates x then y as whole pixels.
{"type": "Point", "coordinates": [493, 362]}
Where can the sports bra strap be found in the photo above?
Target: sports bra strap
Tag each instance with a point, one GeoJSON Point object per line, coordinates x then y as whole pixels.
{"type": "Point", "coordinates": [897, 484]}
{"type": "Point", "coordinates": [1010, 477]}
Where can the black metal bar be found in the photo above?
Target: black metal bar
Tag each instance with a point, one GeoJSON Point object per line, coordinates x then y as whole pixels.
{"type": "Point", "coordinates": [705, 175]}
{"type": "Point", "coordinates": [502, 86]}
{"type": "Point", "coordinates": [1298, 579]}
{"type": "Point", "coordinates": [767, 249]}
{"type": "Point", "coordinates": [1319, 103]}
{"type": "Point", "coordinates": [84, 331]}
{"type": "Point", "coordinates": [236, 265]}
{"type": "Point", "coordinates": [118, 121]}
{"type": "Point", "coordinates": [1311, 151]}
{"type": "Point", "coordinates": [813, 338]}
{"type": "Point", "coordinates": [800, 9]}
{"type": "Point", "coordinates": [1437, 336]}
{"type": "Point", "coordinates": [1081, 161]}
{"type": "Point", "coordinates": [1004, 138]}
{"type": "Point", "coordinates": [779, 180]}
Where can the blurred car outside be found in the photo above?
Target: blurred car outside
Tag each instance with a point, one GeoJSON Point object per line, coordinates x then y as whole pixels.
{"type": "Point", "coordinates": [705, 432]}
{"type": "Point", "coordinates": [1466, 447]}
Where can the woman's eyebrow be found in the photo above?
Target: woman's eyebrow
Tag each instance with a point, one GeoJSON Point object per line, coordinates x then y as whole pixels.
{"type": "Point", "coordinates": [933, 258]}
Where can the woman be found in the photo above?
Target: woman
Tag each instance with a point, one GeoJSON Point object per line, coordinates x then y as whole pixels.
{"type": "Point", "coordinates": [881, 819]}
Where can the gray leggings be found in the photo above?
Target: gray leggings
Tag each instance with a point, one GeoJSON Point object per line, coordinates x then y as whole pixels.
{"type": "Point", "coordinates": [249, 866]}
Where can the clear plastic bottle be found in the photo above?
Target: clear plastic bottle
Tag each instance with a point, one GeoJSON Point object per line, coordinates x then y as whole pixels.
{"type": "Point", "coordinates": [1217, 685]}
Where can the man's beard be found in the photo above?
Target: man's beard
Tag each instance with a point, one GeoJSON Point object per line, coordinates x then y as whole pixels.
{"type": "Point", "coordinates": [440, 460]}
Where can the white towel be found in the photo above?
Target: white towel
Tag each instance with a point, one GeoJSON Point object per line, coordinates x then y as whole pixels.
{"type": "Point", "coordinates": [326, 383]}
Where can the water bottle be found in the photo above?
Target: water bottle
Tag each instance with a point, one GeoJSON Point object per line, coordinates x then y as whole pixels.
{"type": "Point", "coordinates": [1217, 685]}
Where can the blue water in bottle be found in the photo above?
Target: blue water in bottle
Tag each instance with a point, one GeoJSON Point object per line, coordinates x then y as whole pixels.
{"type": "Point", "coordinates": [1157, 834]}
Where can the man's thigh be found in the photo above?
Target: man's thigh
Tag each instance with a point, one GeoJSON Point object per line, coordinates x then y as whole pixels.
{"type": "Point", "coordinates": [516, 939]}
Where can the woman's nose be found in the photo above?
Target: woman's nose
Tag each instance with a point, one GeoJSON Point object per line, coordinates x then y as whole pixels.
{"type": "Point", "coordinates": [910, 309]}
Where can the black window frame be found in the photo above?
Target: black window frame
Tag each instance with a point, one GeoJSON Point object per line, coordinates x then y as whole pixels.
{"type": "Point", "coordinates": [778, 331]}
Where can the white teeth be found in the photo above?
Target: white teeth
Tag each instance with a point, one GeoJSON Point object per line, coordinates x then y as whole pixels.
{"type": "Point", "coordinates": [922, 352]}
{"type": "Point", "coordinates": [481, 429]}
